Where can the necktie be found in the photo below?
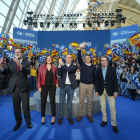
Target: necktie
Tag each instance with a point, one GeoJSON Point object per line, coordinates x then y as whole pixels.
{"type": "Point", "coordinates": [17, 68]}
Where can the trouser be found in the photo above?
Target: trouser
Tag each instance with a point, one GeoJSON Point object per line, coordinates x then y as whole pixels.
{"type": "Point", "coordinates": [133, 93]}
{"type": "Point", "coordinates": [123, 85]}
{"type": "Point", "coordinates": [86, 89]}
{"type": "Point", "coordinates": [17, 97]}
{"type": "Point", "coordinates": [111, 101]}
{"type": "Point", "coordinates": [32, 82]}
{"type": "Point", "coordinates": [44, 93]}
{"type": "Point", "coordinates": [70, 92]}
{"type": "Point", "coordinates": [78, 82]}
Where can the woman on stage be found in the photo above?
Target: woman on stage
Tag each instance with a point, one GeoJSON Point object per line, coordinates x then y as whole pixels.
{"type": "Point", "coordinates": [47, 82]}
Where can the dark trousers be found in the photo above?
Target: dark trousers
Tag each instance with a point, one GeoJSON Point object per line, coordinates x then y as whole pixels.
{"type": "Point", "coordinates": [32, 82]}
{"type": "Point", "coordinates": [133, 93]}
{"type": "Point", "coordinates": [44, 93]}
{"type": "Point", "coordinates": [17, 97]}
{"type": "Point", "coordinates": [78, 82]}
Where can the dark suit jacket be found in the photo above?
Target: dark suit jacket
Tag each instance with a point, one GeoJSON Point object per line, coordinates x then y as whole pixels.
{"type": "Point", "coordinates": [111, 84]}
{"type": "Point", "coordinates": [71, 73]}
{"type": "Point", "coordinates": [20, 76]}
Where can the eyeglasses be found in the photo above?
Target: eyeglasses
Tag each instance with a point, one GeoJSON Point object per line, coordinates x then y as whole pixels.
{"type": "Point", "coordinates": [68, 57]}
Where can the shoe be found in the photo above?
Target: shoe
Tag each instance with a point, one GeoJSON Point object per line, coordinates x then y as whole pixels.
{"type": "Point", "coordinates": [79, 118]}
{"type": "Point", "coordinates": [90, 118]}
{"type": "Point", "coordinates": [29, 124]}
{"type": "Point", "coordinates": [59, 121]}
{"type": "Point", "coordinates": [103, 124]}
{"type": "Point", "coordinates": [70, 120]}
{"type": "Point", "coordinates": [17, 127]}
{"type": "Point", "coordinates": [52, 123]}
{"type": "Point", "coordinates": [125, 96]}
{"type": "Point", "coordinates": [42, 123]}
{"type": "Point", "coordinates": [134, 99]}
{"type": "Point", "coordinates": [131, 98]}
{"type": "Point", "coordinates": [115, 129]}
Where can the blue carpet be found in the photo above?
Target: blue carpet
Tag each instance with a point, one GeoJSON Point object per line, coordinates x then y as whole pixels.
{"type": "Point", "coordinates": [128, 123]}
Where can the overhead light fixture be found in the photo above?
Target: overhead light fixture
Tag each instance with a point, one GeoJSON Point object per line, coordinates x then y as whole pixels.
{"type": "Point", "coordinates": [94, 13]}
{"type": "Point", "coordinates": [62, 25]}
{"type": "Point", "coordinates": [74, 14]}
{"type": "Point", "coordinates": [25, 22]}
{"type": "Point", "coordinates": [98, 13]}
{"type": "Point", "coordinates": [112, 23]}
{"type": "Point", "coordinates": [30, 13]}
{"type": "Point", "coordinates": [81, 14]}
{"type": "Point", "coordinates": [110, 13]}
{"type": "Point", "coordinates": [41, 24]}
{"type": "Point", "coordinates": [103, 13]}
{"type": "Point", "coordinates": [67, 15]}
{"type": "Point", "coordinates": [98, 23]}
{"type": "Point", "coordinates": [56, 24]}
{"type": "Point", "coordinates": [83, 25]}
{"type": "Point", "coordinates": [75, 25]}
{"type": "Point", "coordinates": [64, 14]}
{"type": "Point", "coordinates": [89, 24]}
{"type": "Point", "coordinates": [71, 25]}
{"type": "Point", "coordinates": [77, 15]}
{"type": "Point", "coordinates": [123, 20]}
{"type": "Point", "coordinates": [48, 24]}
{"type": "Point", "coordinates": [52, 14]}
{"type": "Point", "coordinates": [34, 15]}
{"type": "Point", "coordinates": [35, 24]}
{"type": "Point", "coordinates": [48, 15]}
{"type": "Point", "coordinates": [106, 13]}
{"type": "Point", "coordinates": [106, 23]}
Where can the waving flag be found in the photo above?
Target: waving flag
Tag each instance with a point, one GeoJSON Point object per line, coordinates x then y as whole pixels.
{"type": "Point", "coordinates": [44, 51]}
{"type": "Point", "coordinates": [74, 44]}
{"type": "Point", "coordinates": [1, 44]}
{"type": "Point", "coordinates": [109, 52]}
{"type": "Point", "coordinates": [24, 48]}
{"type": "Point", "coordinates": [73, 56]}
{"type": "Point", "coordinates": [65, 52]}
{"type": "Point", "coordinates": [126, 52]}
{"type": "Point", "coordinates": [29, 46]}
{"type": "Point", "coordinates": [115, 58]}
{"type": "Point", "coordinates": [83, 51]}
{"type": "Point", "coordinates": [135, 36]}
{"type": "Point", "coordinates": [54, 52]}
{"type": "Point", "coordinates": [9, 47]}
{"type": "Point", "coordinates": [30, 54]}
{"type": "Point", "coordinates": [135, 80]}
{"type": "Point", "coordinates": [94, 60]}
{"type": "Point", "coordinates": [53, 45]}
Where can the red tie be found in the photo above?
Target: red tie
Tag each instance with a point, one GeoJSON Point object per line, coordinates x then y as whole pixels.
{"type": "Point", "coordinates": [17, 68]}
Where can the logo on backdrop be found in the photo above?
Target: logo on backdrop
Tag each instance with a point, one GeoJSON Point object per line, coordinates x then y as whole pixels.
{"type": "Point", "coordinates": [19, 33]}
{"type": "Point", "coordinates": [115, 34]}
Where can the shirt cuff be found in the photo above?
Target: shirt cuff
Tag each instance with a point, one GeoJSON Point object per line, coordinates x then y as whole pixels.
{"type": "Point", "coordinates": [116, 92]}
{"type": "Point", "coordinates": [59, 66]}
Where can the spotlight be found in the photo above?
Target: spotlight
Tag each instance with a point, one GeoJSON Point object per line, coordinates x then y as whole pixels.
{"type": "Point", "coordinates": [83, 25]}
{"type": "Point", "coordinates": [34, 15]}
{"type": "Point", "coordinates": [74, 14]}
{"type": "Point", "coordinates": [62, 25]}
{"type": "Point", "coordinates": [30, 13]}
{"type": "Point", "coordinates": [106, 23]}
{"type": "Point", "coordinates": [25, 22]}
{"type": "Point", "coordinates": [71, 25]}
{"type": "Point", "coordinates": [89, 24]}
{"type": "Point", "coordinates": [98, 23]}
{"type": "Point", "coordinates": [35, 24]}
{"type": "Point", "coordinates": [118, 10]}
{"type": "Point", "coordinates": [110, 13]}
{"type": "Point", "coordinates": [38, 15]}
{"type": "Point", "coordinates": [48, 15]}
{"type": "Point", "coordinates": [77, 15]}
{"type": "Point", "coordinates": [52, 14]}
{"type": "Point", "coordinates": [56, 24]}
{"type": "Point", "coordinates": [75, 25]}
{"type": "Point", "coordinates": [105, 13]}
{"type": "Point", "coordinates": [112, 23]}
{"type": "Point", "coordinates": [48, 25]}
{"type": "Point", "coordinates": [123, 20]}
{"type": "Point", "coordinates": [94, 13]}
{"type": "Point", "coordinates": [81, 14]}
{"type": "Point", "coordinates": [71, 14]}
{"type": "Point", "coordinates": [67, 15]}
{"type": "Point", "coordinates": [64, 14]}
{"type": "Point", "coordinates": [41, 24]}
{"type": "Point", "coordinates": [98, 13]}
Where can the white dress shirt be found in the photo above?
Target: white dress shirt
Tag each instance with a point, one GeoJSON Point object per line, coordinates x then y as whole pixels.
{"type": "Point", "coordinates": [67, 77]}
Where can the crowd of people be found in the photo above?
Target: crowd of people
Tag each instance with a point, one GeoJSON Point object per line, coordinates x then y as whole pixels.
{"type": "Point", "coordinates": [108, 78]}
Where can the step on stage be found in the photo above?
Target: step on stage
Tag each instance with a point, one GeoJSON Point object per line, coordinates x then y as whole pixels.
{"type": "Point", "coordinates": [35, 104]}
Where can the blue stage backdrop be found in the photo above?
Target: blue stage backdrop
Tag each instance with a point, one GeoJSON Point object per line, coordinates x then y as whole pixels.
{"type": "Point", "coordinates": [99, 38]}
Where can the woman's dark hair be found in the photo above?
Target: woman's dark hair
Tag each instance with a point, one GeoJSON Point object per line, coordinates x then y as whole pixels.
{"type": "Point", "coordinates": [130, 69]}
{"type": "Point", "coordinates": [45, 62]}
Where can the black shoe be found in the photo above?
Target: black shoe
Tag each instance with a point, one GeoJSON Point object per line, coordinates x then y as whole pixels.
{"type": "Point", "coordinates": [52, 123]}
{"type": "Point", "coordinates": [125, 96]}
{"type": "Point", "coordinates": [131, 98]}
{"type": "Point", "coordinates": [29, 124]}
{"type": "Point", "coordinates": [42, 123]}
{"type": "Point", "coordinates": [115, 129]}
{"type": "Point", "coordinates": [70, 120]}
{"type": "Point", "coordinates": [59, 121]}
{"type": "Point", "coordinates": [134, 99]}
{"type": "Point", "coordinates": [17, 127]}
{"type": "Point", "coordinates": [103, 124]}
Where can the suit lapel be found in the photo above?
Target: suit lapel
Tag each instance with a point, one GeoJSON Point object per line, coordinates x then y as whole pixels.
{"type": "Point", "coordinates": [101, 73]}
{"type": "Point", "coordinates": [15, 65]}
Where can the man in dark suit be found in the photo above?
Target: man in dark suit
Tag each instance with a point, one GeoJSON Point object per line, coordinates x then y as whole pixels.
{"type": "Point", "coordinates": [19, 86]}
{"type": "Point", "coordinates": [67, 85]}
{"type": "Point", "coordinates": [106, 85]}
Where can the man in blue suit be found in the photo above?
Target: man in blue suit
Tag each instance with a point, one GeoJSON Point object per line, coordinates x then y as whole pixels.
{"type": "Point", "coordinates": [67, 85]}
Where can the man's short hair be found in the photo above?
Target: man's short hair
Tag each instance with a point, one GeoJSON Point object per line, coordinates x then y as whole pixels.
{"type": "Point", "coordinates": [87, 55]}
{"type": "Point", "coordinates": [104, 57]}
{"type": "Point", "coordinates": [68, 54]}
{"type": "Point", "coordinates": [19, 48]}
